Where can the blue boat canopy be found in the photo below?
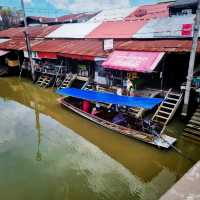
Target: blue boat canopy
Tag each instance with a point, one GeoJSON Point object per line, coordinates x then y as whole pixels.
{"type": "Point", "coordinates": [102, 97]}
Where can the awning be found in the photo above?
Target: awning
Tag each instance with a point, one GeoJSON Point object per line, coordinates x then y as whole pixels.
{"type": "Point", "coordinates": [144, 62]}
{"type": "Point", "coordinates": [2, 53]}
{"type": "Point", "coordinates": [47, 55]}
{"type": "Point", "coordinates": [77, 57]}
{"type": "Point", "coordinates": [140, 102]}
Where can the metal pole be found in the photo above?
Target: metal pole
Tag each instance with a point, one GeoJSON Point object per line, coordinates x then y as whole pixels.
{"type": "Point", "coordinates": [24, 14]}
{"type": "Point", "coordinates": [192, 60]}
{"type": "Point", "coordinates": [28, 43]}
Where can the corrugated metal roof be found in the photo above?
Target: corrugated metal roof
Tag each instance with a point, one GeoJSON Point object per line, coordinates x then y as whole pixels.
{"type": "Point", "coordinates": [11, 32]}
{"type": "Point", "coordinates": [117, 29]}
{"type": "Point", "coordinates": [41, 32]}
{"type": "Point", "coordinates": [75, 30]}
{"type": "Point", "coordinates": [112, 14]}
{"type": "Point", "coordinates": [91, 48]}
{"type": "Point", "coordinates": [165, 27]}
{"type": "Point", "coordinates": [73, 17]}
{"type": "Point", "coordinates": [148, 12]}
{"type": "Point", "coordinates": [17, 44]}
{"type": "Point", "coordinates": [37, 31]}
{"type": "Point", "coordinates": [4, 40]}
{"type": "Point", "coordinates": [158, 45]}
{"type": "Point", "coordinates": [85, 47]}
{"type": "Point", "coordinates": [51, 46]}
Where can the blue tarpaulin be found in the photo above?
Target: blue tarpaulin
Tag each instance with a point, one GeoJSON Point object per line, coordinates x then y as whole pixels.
{"type": "Point", "coordinates": [102, 97]}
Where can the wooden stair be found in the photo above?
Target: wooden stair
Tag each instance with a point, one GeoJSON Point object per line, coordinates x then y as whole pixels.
{"type": "Point", "coordinates": [44, 81]}
{"type": "Point", "coordinates": [192, 129]}
{"type": "Point", "coordinates": [67, 81]}
{"type": "Point", "coordinates": [168, 107]}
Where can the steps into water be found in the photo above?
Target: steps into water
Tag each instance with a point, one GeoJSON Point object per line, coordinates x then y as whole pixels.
{"type": "Point", "coordinates": [67, 81]}
{"type": "Point", "coordinates": [192, 129]}
{"type": "Point", "coordinates": [44, 81]}
{"type": "Point", "coordinates": [168, 107]}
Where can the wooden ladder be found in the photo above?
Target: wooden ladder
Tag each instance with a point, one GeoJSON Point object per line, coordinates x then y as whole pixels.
{"type": "Point", "coordinates": [192, 129]}
{"type": "Point", "coordinates": [44, 81]}
{"type": "Point", "coordinates": [67, 81]}
{"type": "Point", "coordinates": [167, 108]}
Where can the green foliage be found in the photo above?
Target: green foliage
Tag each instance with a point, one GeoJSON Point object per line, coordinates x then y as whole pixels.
{"type": "Point", "coordinates": [6, 12]}
{"type": "Point", "coordinates": [10, 17]}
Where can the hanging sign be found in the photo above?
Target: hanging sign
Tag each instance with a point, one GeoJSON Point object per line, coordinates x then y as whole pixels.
{"type": "Point", "coordinates": [186, 30]}
{"type": "Point", "coordinates": [108, 44]}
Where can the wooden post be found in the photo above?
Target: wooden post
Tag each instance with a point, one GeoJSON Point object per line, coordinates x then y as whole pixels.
{"type": "Point", "coordinates": [192, 61]}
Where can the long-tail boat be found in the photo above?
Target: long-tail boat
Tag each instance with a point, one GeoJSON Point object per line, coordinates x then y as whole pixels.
{"type": "Point", "coordinates": [74, 98]}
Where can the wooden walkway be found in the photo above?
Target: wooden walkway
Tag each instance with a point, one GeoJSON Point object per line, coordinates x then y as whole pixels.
{"type": "Point", "coordinates": [188, 187]}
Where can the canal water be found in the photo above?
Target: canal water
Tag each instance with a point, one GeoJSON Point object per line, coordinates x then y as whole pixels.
{"type": "Point", "coordinates": [49, 153]}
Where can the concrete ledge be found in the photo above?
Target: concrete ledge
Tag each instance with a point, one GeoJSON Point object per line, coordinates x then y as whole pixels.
{"type": "Point", "coordinates": [187, 188]}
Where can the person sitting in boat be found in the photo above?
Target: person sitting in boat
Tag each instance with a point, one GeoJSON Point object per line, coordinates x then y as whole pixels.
{"type": "Point", "coordinates": [120, 119]}
{"type": "Point", "coordinates": [96, 110]}
{"type": "Point", "coordinates": [86, 106]}
{"type": "Point", "coordinates": [111, 108]}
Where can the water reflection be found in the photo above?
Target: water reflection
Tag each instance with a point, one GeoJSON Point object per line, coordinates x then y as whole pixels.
{"type": "Point", "coordinates": [72, 166]}
{"type": "Point", "coordinates": [39, 134]}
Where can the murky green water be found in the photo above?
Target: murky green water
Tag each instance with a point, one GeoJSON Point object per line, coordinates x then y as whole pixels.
{"type": "Point", "coordinates": [49, 153]}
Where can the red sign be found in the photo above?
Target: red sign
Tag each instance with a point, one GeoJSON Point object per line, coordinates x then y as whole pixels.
{"type": "Point", "coordinates": [186, 30]}
{"type": "Point", "coordinates": [47, 55]}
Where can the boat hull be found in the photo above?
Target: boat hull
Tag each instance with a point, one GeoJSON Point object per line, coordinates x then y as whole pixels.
{"type": "Point", "coordinates": [164, 142]}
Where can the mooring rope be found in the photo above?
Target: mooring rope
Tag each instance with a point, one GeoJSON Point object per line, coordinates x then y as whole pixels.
{"type": "Point", "coordinates": [179, 151]}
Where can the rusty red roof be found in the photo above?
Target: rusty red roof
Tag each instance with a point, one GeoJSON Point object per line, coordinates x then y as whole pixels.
{"type": "Point", "coordinates": [168, 45]}
{"type": "Point", "coordinates": [34, 32]}
{"type": "Point", "coordinates": [94, 48]}
{"type": "Point", "coordinates": [116, 29]}
{"type": "Point", "coordinates": [86, 47]}
{"type": "Point", "coordinates": [11, 32]}
{"type": "Point", "coordinates": [147, 12]}
{"type": "Point", "coordinates": [51, 46]}
{"type": "Point", "coordinates": [78, 16]}
{"type": "Point", "coordinates": [17, 44]}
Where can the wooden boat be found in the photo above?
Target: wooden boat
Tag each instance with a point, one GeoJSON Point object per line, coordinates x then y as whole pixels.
{"type": "Point", "coordinates": [163, 141]}
{"type": "Point", "coordinates": [3, 71]}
